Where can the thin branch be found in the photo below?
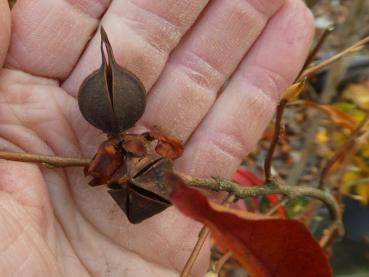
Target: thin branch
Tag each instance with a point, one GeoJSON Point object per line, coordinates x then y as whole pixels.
{"type": "Point", "coordinates": [203, 235]}
{"type": "Point", "coordinates": [328, 234]}
{"type": "Point", "coordinates": [358, 182]}
{"type": "Point", "coordinates": [317, 47]}
{"type": "Point", "coordinates": [275, 208]}
{"type": "Point", "coordinates": [222, 260]}
{"type": "Point", "coordinates": [273, 187]}
{"type": "Point", "coordinates": [341, 153]}
{"type": "Point", "coordinates": [354, 48]}
{"type": "Point", "coordinates": [52, 161]}
{"type": "Point", "coordinates": [215, 184]}
{"type": "Point", "coordinates": [304, 74]}
{"type": "Point", "coordinates": [275, 139]}
{"type": "Point", "coordinates": [335, 74]}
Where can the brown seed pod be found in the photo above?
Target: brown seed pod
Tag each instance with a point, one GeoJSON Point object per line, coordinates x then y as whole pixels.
{"type": "Point", "coordinates": [144, 195]}
{"type": "Point", "coordinates": [112, 98]}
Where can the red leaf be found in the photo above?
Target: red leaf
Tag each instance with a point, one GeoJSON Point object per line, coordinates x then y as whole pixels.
{"type": "Point", "coordinates": [265, 246]}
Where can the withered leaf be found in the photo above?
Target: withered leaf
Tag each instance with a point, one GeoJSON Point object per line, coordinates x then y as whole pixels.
{"type": "Point", "coordinates": [293, 91]}
{"type": "Point", "coordinates": [265, 246]}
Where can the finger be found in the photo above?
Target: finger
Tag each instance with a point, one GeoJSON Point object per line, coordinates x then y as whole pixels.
{"type": "Point", "coordinates": [206, 58]}
{"type": "Point", "coordinates": [142, 34]}
{"type": "Point", "coordinates": [236, 121]}
{"type": "Point", "coordinates": [49, 36]}
{"type": "Point", "coordinates": [4, 29]}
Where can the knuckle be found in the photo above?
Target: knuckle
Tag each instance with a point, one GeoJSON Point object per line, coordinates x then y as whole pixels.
{"type": "Point", "coordinates": [199, 70]}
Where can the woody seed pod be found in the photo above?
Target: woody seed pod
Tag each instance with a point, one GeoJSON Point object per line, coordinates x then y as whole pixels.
{"type": "Point", "coordinates": [145, 195]}
{"type": "Point", "coordinates": [112, 98]}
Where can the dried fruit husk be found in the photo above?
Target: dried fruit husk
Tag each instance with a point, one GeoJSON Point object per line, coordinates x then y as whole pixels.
{"type": "Point", "coordinates": [105, 163]}
{"type": "Point", "coordinates": [145, 195]}
{"type": "Point", "coordinates": [169, 147]}
{"type": "Point", "coordinates": [136, 182]}
{"type": "Point", "coordinates": [112, 98]}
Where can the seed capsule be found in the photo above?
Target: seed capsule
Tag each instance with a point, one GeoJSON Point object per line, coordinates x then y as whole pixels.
{"type": "Point", "coordinates": [144, 195]}
{"type": "Point", "coordinates": [112, 98]}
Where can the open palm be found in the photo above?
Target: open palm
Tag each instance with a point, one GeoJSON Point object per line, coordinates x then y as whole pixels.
{"type": "Point", "coordinates": [52, 223]}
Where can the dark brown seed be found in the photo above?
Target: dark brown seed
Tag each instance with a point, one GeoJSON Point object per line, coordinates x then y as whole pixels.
{"type": "Point", "coordinates": [111, 98]}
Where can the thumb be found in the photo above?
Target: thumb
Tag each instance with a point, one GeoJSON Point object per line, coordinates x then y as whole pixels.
{"type": "Point", "coordinates": [4, 29]}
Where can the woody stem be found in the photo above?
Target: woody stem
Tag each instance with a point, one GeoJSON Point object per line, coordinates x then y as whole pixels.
{"type": "Point", "coordinates": [272, 186]}
{"type": "Point", "coordinates": [53, 161]}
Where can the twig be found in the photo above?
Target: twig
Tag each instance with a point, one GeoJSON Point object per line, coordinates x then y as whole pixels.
{"type": "Point", "coordinates": [328, 235]}
{"type": "Point", "coordinates": [317, 47]}
{"type": "Point", "coordinates": [274, 187]}
{"type": "Point", "coordinates": [275, 139]}
{"type": "Point", "coordinates": [353, 48]}
{"type": "Point", "coordinates": [53, 161]}
{"type": "Point", "coordinates": [215, 184]}
{"type": "Point", "coordinates": [341, 153]}
{"type": "Point", "coordinates": [275, 208]}
{"type": "Point", "coordinates": [222, 260]}
{"type": "Point", "coordinates": [334, 76]}
{"type": "Point", "coordinates": [311, 3]}
{"type": "Point", "coordinates": [358, 182]}
{"type": "Point", "coordinates": [203, 235]}
{"type": "Point", "coordinates": [306, 73]}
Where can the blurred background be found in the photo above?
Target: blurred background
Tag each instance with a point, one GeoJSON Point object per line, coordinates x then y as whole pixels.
{"type": "Point", "coordinates": [316, 127]}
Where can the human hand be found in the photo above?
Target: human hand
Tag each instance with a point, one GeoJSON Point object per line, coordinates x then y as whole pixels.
{"type": "Point", "coordinates": [53, 223]}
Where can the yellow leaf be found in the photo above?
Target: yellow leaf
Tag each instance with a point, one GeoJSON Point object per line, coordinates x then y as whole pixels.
{"type": "Point", "coordinates": [347, 179]}
{"type": "Point", "coordinates": [321, 136]}
{"type": "Point", "coordinates": [293, 91]}
{"type": "Point", "coordinates": [352, 110]}
{"type": "Point", "coordinates": [364, 151]}
{"type": "Point", "coordinates": [363, 191]}
{"type": "Point", "coordinates": [358, 94]}
{"type": "Point", "coordinates": [361, 164]}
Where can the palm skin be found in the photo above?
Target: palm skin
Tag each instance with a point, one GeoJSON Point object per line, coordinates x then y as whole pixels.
{"type": "Point", "coordinates": [52, 222]}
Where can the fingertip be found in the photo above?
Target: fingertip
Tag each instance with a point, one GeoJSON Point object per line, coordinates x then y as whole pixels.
{"type": "Point", "coordinates": [48, 37]}
{"type": "Point", "coordinates": [5, 29]}
{"type": "Point", "coordinates": [303, 18]}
